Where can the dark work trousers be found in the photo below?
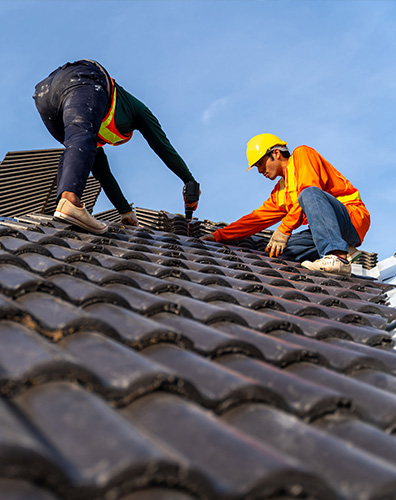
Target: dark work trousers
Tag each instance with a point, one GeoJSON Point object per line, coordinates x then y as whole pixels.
{"type": "Point", "coordinates": [72, 102]}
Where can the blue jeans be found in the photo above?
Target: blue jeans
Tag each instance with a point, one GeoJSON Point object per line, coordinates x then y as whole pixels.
{"type": "Point", "coordinates": [330, 226]}
{"type": "Point", "coordinates": [72, 101]}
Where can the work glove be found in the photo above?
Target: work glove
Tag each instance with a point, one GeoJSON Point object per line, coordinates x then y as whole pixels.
{"type": "Point", "coordinates": [191, 194]}
{"type": "Point", "coordinates": [208, 237]}
{"type": "Point", "coordinates": [277, 243]}
{"type": "Point", "coordinates": [129, 218]}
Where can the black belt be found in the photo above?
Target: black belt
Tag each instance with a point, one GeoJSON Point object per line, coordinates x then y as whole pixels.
{"type": "Point", "coordinates": [108, 79]}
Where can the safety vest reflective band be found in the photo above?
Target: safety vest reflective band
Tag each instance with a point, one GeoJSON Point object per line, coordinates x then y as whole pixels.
{"type": "Point", "coordinates": [108, 133]}
{"type": "Point", "coordinates": [350, 197]}
{"type": "Point", "coordinates": [291, 187]}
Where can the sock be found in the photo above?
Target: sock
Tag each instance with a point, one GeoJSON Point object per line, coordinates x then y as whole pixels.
{"type": "Point", "coordinates": [345, 261]}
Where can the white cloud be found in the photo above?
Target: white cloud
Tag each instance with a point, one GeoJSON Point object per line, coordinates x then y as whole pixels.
{"type": "Point", "coordinates": [213, 108]}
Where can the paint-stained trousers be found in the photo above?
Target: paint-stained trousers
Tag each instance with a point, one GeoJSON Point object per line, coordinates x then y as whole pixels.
{"type": "Point", "coordinates": [72, 101]}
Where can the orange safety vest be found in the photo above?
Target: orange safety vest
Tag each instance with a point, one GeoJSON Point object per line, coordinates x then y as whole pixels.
{"type": "Point", "coordinates": [108, 132]}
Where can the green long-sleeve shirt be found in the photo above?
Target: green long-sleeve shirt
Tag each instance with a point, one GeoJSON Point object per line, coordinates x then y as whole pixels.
{"type": "Point", "coordinates": [131, 114]}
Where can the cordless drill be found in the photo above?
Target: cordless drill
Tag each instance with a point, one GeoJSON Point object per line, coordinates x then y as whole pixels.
{"type": "Point", "coordinates": [191, 194]}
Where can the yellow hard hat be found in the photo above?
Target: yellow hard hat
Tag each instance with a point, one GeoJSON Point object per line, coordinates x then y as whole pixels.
{"type": "Point", "coordinates": [259, 146]}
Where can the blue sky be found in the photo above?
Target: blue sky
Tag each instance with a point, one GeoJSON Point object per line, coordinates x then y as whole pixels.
{"type": "Point", "coordinates": [216, 73]}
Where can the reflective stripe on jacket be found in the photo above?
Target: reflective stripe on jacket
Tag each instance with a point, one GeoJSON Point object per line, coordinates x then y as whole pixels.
{"type": "Point", "coordinates": [108, 133]}
{"type": "Point", "coordinates": [306, 168]}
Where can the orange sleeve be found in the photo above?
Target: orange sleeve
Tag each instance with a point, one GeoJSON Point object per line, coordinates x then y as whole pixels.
{"type": "Point", "coordinates": [265, 216]}
{"type": "Point", "coordinates": [310, 168]}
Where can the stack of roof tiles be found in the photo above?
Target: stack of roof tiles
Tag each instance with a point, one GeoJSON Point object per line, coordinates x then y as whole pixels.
{"type": "Point", "coordinates": [28, 183]}
{"type": "Point", "coordinates": [144, 364]}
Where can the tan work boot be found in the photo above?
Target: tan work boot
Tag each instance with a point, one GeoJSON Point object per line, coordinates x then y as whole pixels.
{"type": "Point", "coordinates": [66, 211]}
{"type": "Point", "coordinates": [329, 264]}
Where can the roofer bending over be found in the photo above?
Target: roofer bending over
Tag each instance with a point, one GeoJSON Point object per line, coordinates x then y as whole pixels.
{"type": "Point", "coordinates": [83, 108]}
{"type": "Point", "coordinates": [310, 191]}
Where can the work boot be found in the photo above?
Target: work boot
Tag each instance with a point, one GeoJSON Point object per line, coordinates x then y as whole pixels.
{"type": "Point", "coordinates": [329, 264]}
{"type": "Point", "coordinates": [66, 211]}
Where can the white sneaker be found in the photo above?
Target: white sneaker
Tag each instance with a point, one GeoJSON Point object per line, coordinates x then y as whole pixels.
{"type": "Point", "coordinates": [66, 211]}
{"type": "Point", "coordinates": [329, 264]}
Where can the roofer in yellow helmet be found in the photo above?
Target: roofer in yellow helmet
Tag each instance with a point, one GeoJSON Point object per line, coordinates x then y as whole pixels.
{"type": "Point", "coordinates": [310, 191]}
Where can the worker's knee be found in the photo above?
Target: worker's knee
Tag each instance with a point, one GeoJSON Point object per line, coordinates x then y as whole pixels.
{"type": "Point", "coordinates": [308, 194]}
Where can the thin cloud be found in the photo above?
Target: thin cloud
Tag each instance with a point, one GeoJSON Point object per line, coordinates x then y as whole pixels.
{"type": "Point", "coordinates": [213, 109]}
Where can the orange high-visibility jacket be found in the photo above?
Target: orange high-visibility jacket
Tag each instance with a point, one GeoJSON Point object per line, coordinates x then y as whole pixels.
{"type": "Point", "coordinates": [108, 132]}
{"type": "Point", "coordinates": [306, 168]}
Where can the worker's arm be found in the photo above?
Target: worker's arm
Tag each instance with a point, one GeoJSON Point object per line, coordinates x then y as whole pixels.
{"type": "Point", "coordinates": [132, 114]}
{"type": "Point", "coordinates": [265, 216]}
{"type": "Point", "coordinates": [151, 130]}
{"type": "Point", "coordinates": [101, 171]}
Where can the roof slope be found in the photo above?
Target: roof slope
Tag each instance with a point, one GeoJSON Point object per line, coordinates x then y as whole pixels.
{"type": "Point", "coordinates": [143, 364]}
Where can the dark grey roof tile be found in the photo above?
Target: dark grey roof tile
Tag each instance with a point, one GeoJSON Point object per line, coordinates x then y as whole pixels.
{"type": "Point", "coordinates": [27, 358]}
{"type": "Point", "coordinates": [21, 447]}
{"type": "Point", "coordinates": [115, 263]}
{"type": "Point", "coordinates": [18, 489]}
{"type": "Point", "coordinates": [372, 404]}
{"type": "Point", "coordinates": [206, 313]}
{"type": "Point", "coordinates": [205, 293]}
{"type": "Point", "coordinates": [55, 317]}
{"type": "Point", "coordinates": [146, 303]}
{"type": "Point", "coordinates": [15, 281]}
{"type": "Point", "coordinates": [341, 358]}
{"type": "Point", "coordinates": [156, 494]}
{"type": "Point", "coordinates": [66, 415]}
{"type": "Point", "coordinates": [47, 266]}
{"type": "Point", "coordinates": [83, 293]}
{"type": "Point", "coordinates": [386, 356]}
{"type": "Point", "coordinates": [87, 247]}
{"type": "Point", "coordinates": [121, 373]}
{"type": "Point", "coordinates": [218, 387]}
{"type": "Point", "coordinates": [226, 464]}
{"type": "Point", "coordinates": [354, 303]}
{"type": "Point", "coordinates": [18, 246]}
{"type": "Point", "coordinates": [15, 233]}
{"type": "Point", "coordinates": [207, 340]}
{"type": "Point", "coordinates": [102, 276]}
{"type": "Point", "coordinates": [58, 229]}
{"type": "Point", "coordinates": [303, 397]}
{"type": "Point", "coordinates": [271, 347]}
{"type": "Point", "coordinates": [351, 473]}
{"type": "Point", "coordinates": [383, 381]}
{"type": "Point", "coordinates": [197, 277]}
{"type": "Point", "coordinates": [14, 260]}
{"type": "Point", "coordinates": [126, 253]}
{"type": "Point", "coordinates": [132, 328]}
{"type": "Point", "coordinates": [68, 255]}
{"type": "Point", "coordinates": [155, 285]}
{"type": "Point", "coordinates": [271, 319]}
{"type": "Point", "coordinates": [373, 441]}
{"type": "Point", "coordinates": [133, 247]}
{"type": "Point", "coordinates": [10, 310]}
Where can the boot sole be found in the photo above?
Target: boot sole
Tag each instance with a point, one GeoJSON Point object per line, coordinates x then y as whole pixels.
{"type": "Point", "coordinates": [77, 222]}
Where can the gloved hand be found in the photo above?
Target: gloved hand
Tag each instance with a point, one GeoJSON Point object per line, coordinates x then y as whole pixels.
{"type": "Point", "coordinates": [277, 243]}
{"type": "Point", "coordinates": [129, 218]}
{"type": "Point", "coordinates": [208, 237]}
{"type": "Point", "coordinates": [191, 194]}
